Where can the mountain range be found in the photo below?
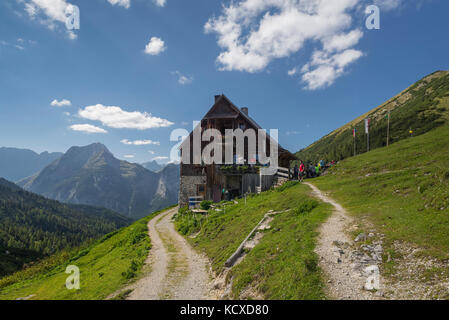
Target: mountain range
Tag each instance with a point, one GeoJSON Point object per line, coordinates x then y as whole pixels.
{"type": "Point", "coordinates": [16, 164]}
{"type": "Point", "coordinates": [91, 175]}
{"type": "Point", "coordinates": [416, 110]}
{"type": "Point", "coordinates": [152, 166]}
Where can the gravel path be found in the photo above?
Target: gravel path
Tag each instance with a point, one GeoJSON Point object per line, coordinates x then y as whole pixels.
{"type": "Point", "coordinates": [178, 272]}
{"type": "Point", "coordinates": [334, 246]}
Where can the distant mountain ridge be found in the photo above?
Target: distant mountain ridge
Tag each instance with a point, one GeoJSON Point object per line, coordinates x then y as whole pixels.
{"type": "Point", "coordinates": [16, 164]}
{"type": "Point", "coordinates": [92, 175]}
{"type": "Point", "coordinates": [421, 107]}
{"type": "Point", "coordinates": [152, 166]}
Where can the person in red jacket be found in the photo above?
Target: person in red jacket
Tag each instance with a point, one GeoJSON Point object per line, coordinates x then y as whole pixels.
{"type": "Point", "coordinates": [302, 171]}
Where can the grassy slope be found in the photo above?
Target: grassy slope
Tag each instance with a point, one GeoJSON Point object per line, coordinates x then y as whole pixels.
{"type": "Point", "coordinates": [105, 266]}
{"type": "Point", "coordinates": [422, 107]}
{"type": "Point", "coordinates": [403, 190]}
{"type": "Point", "coordinates": [283, 265]}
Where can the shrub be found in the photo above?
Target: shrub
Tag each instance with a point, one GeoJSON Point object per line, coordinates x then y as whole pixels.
{"type": "Point", "coordinates": [205, 204]}
{"type": "Point", "coordinates": [306, 207]}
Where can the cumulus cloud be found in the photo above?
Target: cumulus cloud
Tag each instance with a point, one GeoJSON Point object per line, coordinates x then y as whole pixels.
{"type": "Point", "coordinates": [182, 79]}
{"type": "Point", "coordinates": [140, 142]}
{"type": "Point", "coordinates": [124, 3]}
{"type": "Point", "coordinates": [160, 3]}
{"type": "Point", "coordinates": [339, 42]}
{"type": "Point", "coordinates": [49, 12]}
{"type": "Point", "coordinates": [116, 117]}
{"type": "Point", "coordinates": [62, 103]}
{"type": "Point", "coordinates": [155, 47]}
{"type": "Point", "coordinates": [87, 128]}
{"type": "Point", "coordinates": [325, 67]}
{"type": "Point", "coordinates": [252, 33]}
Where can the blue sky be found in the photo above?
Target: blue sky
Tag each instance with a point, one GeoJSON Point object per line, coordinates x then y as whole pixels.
{"type": "Point", "coordinates": [137, 69]}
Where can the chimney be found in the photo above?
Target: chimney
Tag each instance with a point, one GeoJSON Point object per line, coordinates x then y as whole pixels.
{"type": "Point", "coordinates": [217, 97]}
{"type": "Point", "coordinates": [244, 110]}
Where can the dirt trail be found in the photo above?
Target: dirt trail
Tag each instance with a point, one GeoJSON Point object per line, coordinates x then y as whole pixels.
{"type": "Point", "coordinates": [177, 271]}
{"type": "Point", "coordinates": [344, 279]}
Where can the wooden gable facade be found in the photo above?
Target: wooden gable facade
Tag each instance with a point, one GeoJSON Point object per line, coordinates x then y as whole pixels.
{"type": "Point", "coordinates": [219, 181]}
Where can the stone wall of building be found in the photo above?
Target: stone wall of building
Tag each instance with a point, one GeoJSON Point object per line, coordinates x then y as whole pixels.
{"type": "Point", "coordinates": [188, 188]}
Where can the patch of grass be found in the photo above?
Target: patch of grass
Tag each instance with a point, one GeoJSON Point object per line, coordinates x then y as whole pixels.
{"type": "Point", "coordinates": [403, 190]}
{"type": "Point", "coordinates": [188, 222]}
{"type": "Point", "coordinates": [422, 107]}
{"type": "Point", "coordinates": [283, 265]}
{"type": "Point", "coordinates": [105, 266]}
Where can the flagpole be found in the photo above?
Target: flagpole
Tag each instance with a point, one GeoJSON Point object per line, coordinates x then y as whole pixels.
{"type": "Point", "coordinates": [388, 129]}
{"type": "Point", "coordinates": [367, 123]}
{"type": "Point", "coordinates": [367, 140]}
{"type": "Point", "coordinates": [353, 133]}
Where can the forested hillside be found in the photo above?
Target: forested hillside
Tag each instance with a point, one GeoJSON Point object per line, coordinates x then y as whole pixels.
{"type": "Point", "coordinates": [421, 107]}
{"type": "Point", "coordinates": [32, 226]}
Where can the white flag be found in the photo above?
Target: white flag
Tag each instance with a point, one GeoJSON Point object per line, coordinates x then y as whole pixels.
{"type": "Point", "coordinates": [367, 126]}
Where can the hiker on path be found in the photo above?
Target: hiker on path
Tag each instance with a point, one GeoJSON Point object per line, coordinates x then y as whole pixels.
{"type": "Point", "coordinates": [317, 170]}
{"type": "Point", "coordinates": [295, 172]}
{"type": "Point", "coordinates": [302, 171]}
{"type": "Point", "coordinates": [311, 170]}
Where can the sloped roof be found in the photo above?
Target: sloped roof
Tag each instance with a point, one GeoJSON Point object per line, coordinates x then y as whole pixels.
{"type": "Point", "coordinates": [241, 113]}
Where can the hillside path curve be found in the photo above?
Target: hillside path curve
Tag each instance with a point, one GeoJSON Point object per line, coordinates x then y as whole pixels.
{"type": "Point", "coordinates": [177, 271]}
{"type": "Point", "coordinates": [334, 249]}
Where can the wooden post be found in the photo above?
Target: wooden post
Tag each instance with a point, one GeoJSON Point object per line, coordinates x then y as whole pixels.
{"type": "Point", "coordinates": [388, 129]}
{"type": "Point", "coordinates": [355, 150]}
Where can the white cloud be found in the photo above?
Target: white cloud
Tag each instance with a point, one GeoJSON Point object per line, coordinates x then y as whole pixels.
{"type": "Point", "coordinates": [72, 35]}
{"type": "Point", "coordinates": [20, 43]}
{"type": "Point", "coordinates": [124, 3]}
{"type": "Point", "coordinates": [252, 33]}
{"type": "Point", "coordinates": [128, 156]}
{"type": "Point", "coordinates": [115, 117]}
{"type": "Point", "coordinates": [127, 3]}
{"type": "Point", "coordinates": [87, 128]}
{"type": "Point", "coordinates": [339, 42]}
{"type": "Point", "coordinates": [160, 158]}
{"type": "Point", "coordinates": [155, 46]}
{"type": "Point", "coordinates": [48, 12]}
{"type": "Point", "coordinates": [151, 152]}
{"type": "Point", "coordinates": [160, 3]}
{"type": "Point", "coordinates": [388, 5]}
{"type": "Point", "coordinates": [292, 72]}
{"type": "Point", "coordinates": [325, 67]}
{"type": "Point", "coordinates": [182, 79]}
{"type": "Point", "coordinates": [140, 142]}
{"type": "Point", "coordinates": [62, 103]}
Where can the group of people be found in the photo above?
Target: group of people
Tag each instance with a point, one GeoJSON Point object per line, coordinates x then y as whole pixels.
{"type": "Point", "coordinates": [311, 171]}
